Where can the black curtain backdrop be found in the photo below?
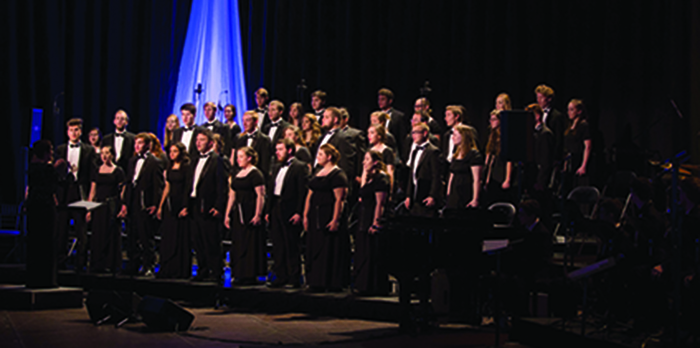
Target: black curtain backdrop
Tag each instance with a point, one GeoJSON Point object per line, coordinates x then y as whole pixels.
{"type": "Point", "coordinates": [626, 60]}
{"type": "Point", "coordinates": [103, 56]}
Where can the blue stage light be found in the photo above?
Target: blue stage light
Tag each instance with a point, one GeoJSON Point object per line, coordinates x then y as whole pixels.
{"type": "Point", "coordinates": [211, 68]}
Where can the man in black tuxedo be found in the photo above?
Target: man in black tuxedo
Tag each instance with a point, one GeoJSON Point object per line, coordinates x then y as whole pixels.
{"type": "Point", "coordinates": [122, 141]}
{"type": "Point", "coordinates": [275, 128]}
{"type": "Point", "coordinates": [255, 139]}
{"type": "Point", "coordinates": [75, 162]}
{"type": "Point", "coordinates": [287, 188]}
{"type": "Point", "coordinates": [318, 104]}
{"type": "Point", "coordinates": [207, 204]}
{"type": "Point", "coordinates": [552, 118]}
{"type": "Point", "coordinates": [454, 115]}
{"type": "Point", "coordinates": [417, 118]}
{"type": "Point", "coordinates": [356, 137]}
{"type": "Point", "coordinates": [187, 134]}
{"type": "Point", "coordinates": [424, 191]}
{"type": "Point", "coordinates": [215, 125]}
{"type": "Point", "coordinates": [396, 124]}
{"type": "Point", "coordinates": [141, 195]}
{"type": "Point", "coordinates": [335, 136]}
{"type": "Point", "coordinates": [262, 98]}
{"type": "Point", "coordinates": [538, 173]}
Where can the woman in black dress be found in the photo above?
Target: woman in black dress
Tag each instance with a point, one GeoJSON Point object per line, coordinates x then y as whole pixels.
{"type": "Point", "coordinates": [41, 216]}
{"type": "Point", "coordinates": [105, 243]}
{"type": "Point", "coordinates": [464, 184]}
{"type": "Point", "coordinates": [577, 144]}
{"type": "Point", "coordinates": [376, 135]}
{"type": "Point", "coordinates": [234, 128]}
{"type": "Point", "coordinates": [371, 277]}
{"type": "Point", "coordinates": [243, 216]}
{"type": "Point", "coordinates": [301, 152]}
{"type": "Point", "coordinates": [175, 249]}
{"type": "Point", "coordinates": [498, 173]}
{"type": "Point", "coordinates": [327, 243]}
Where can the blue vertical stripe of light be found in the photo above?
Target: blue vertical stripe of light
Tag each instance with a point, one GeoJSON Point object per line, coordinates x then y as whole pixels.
{"type": "Point", "coordinates": [212, 57]}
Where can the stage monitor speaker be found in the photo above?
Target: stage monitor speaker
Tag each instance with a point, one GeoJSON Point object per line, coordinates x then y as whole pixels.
{"type": "Point", "coordinates": [164, 315]}
{"type": "Point", "coordinates": [108, 306]}
{"type": "Point", "coordinates": [35, 130]}
{"type": "Point", "coordinates": [517, 136]}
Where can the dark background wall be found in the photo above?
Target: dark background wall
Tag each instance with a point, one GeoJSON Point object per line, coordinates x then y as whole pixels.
{"type": "Point", "coordinates": [627, 60]}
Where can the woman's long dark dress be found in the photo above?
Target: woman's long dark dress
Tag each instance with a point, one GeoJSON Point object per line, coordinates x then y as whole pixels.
{"type": "Point", "coordinates": [175, 248]}
{"type": "Point", "coordinates": [41, 225]}
{"type": "Point", "coordinates": [105, 242]}
{"type": "Point", "coordinates": [462, 189]}
{"type": "Point", "coordinates": [496, 169]}
{"type": "Point", "coordinates": [327, 253]}
{"type": "Point", "coordinates": [574, 146]}
{"type": "Point", "coordinates": [369, 266]}
{"type": "Point", "coordinates": [248, 258]}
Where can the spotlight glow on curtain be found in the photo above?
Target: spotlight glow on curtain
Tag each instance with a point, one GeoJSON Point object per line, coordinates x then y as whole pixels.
{"type": "Point", "coordinates": [212, 58]}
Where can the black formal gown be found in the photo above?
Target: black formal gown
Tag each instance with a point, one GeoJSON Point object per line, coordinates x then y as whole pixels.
{"type": "Point", "coordinates": [369, 267]}
{"type": "Point", "coordinates": [175, 248]}
{"type": "Point", "coordinates": [462, 189]}
{"type": "Point", "coordinates": [327, 253]}
{"type": "Point", "coordinates": [248, 258]}
{"type": "Point", "coordinates": [496, 169]}
{"type": "Point", "coordinates": [105, 243]}
{"type": "Point", "coordinates": [41, 226]}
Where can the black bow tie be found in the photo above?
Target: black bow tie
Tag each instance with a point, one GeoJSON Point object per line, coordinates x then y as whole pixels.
{"type": "Point", "coordinates": [262, 111]}
{"type": "Point", "coordinates": [74, 145]}
{"type": "Point", "coordinates": [143, 157]}
{"type": "Point", "coordinates": [287, 164]}
{"type": "Point", "coordinates": [209, 125]}
{"type": "Point", "coordinates": [119, 135]}
{"type": "Point", "coordinates": [275, 124]}
{"type": "Point", "coordinates": [420, 147]}
{"type": "Point", "coordinates": [188, 129]}
{"type": "Point", "coordinates": [204, 155]}
{"type": "Point", "coordinates": [250, 136]}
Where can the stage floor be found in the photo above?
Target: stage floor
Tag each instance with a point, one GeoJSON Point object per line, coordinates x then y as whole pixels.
{"type": "Point", "coordinates": [71, 328]}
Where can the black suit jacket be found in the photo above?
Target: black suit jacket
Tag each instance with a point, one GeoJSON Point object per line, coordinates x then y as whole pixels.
{"type": "Point", "coordinates": [398, 126]}
{"type": "Point", "coordinates": [557, 123]}
{"type": "Point", "coordinates": [149, 185]}
{"type": "Point", "coordinates": [359, 141]}
{"type": "Point", "coordinates": [232, 137]}
{"type": "Point", "coordinates": [348, 153]}
{"type": "Point", "coordinates": [127, 147]}
{"type": "Point", "coordinates": [211, 186]}
{"type": "Point", "coordinates": [87, 162]}
{"type": "Point", "coordinates": [261, 145]}
{"type": "Point", "coordinates": [279, 134]}
{"type": "Point", "coordinates": [192, 149]}
{"type": "Point", "coordinates": [294, 188]}
{"type": "Point", "coordinates": [428, 178]}
{"type": "Point", "coordinates": [544, 151]}
{"type": "Point", "coordinates": [408, 143]}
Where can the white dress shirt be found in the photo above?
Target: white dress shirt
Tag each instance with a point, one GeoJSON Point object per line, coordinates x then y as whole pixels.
{"type": "Point", "coordinates": [203, 158]}
{"type": "Point", "coordinates": [74, 158]}
{"type": "Point", "coordinates": [279, 180]}
{"type": "Point", "coordinates": [187, 137]}
{"type": "Point", "coordinates": [118, 143]}
{"type": "Point", "coordinates": [325, 139]}
{"type": "Point", "coordinates": [137, 170]}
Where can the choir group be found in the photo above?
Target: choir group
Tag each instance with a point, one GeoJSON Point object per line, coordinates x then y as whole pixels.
{"type": "Point", "coordinates": [311, 183]}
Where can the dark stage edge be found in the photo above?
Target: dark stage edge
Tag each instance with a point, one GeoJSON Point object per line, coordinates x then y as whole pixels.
{"type": "Point", "coordinates": [20, 297]}
{"type": "Point", "coordinates": [549, 333]}
{"type": "Point", "coordinates": [257, 298]}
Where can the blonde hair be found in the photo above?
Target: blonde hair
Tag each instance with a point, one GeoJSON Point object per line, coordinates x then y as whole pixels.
{"type": "Point", "coordinates": [167, 133]}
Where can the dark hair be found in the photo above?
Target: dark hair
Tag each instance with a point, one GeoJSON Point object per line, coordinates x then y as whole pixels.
{"type": "Point", "coordinates": [377, 157]}
{"type": "Point", "coordinates": [41, 148]}
{"type": "Point", "coordinates": [189, 107]}
{"type": "Point", "coordinates": [233, 109]}
{"type": "Point", "coordinates": [207, 132]}
{"type": "Point", "coordinates": [183, 157]}
{"type": "Point", "coordinates": [387, 93]}
{"type": "Point", "coordinates": [251, 153]}
{"type": "Point", "coordinates": [75, 122]}
{"type": "Point", "coordinates": [331, 152]}
{"type": "Point", "coordinates": [146, 137]}
{"type": "Point", "coordinates": [109, 148]}
{"type": "Point", "coordinates": [320, 95]}
{"type": "Point", "coordinates": [288, 144]}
